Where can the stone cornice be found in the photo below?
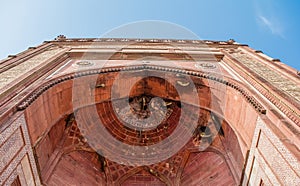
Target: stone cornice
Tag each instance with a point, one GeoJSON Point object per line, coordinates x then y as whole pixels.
{"type": "Point", "coordinates": [63, 39]}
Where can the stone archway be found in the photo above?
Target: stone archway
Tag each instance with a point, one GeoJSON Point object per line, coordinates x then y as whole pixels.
{"type": "Point", "coordinates": [50, 107]}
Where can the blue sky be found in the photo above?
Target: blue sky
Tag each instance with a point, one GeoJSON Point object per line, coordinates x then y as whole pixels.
{"type": "Point", "coordinates": [268, 25]}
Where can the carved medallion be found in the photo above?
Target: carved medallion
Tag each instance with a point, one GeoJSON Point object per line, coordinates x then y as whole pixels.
{"type": "Point", "coordinates": [205, 65]}
{"type": "Point", "coordinates": [84, 63]}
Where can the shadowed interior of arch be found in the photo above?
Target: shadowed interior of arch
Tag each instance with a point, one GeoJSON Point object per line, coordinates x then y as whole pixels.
{"type": "Point", "coordinates": [71, 150]}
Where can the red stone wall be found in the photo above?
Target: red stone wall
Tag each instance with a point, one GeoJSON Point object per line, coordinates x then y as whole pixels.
{"type": "Point", "coordinates": [17, 159]}
{"type": "Point", "coordinates": [271, 137]}
{"type": "Point", "coordinates": [270, 159]}
{"type": "Point", "coordinates": [206, 168]}
{"type": "Point", "coordinates": [77, 168]}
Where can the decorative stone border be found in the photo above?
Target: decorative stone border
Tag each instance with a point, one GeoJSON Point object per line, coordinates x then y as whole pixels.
{"type": "Point", "coordinates": [283, 171]}
{"type": "Point", "coordinates": [281, 105]}
{"type": "Point", "coordinates": [205, 65]}
{"type": "Point", "coordinates": [23, 105]}
{"type": "Point", "coordinates": [62, 38]}
{"type": "Point", "coordinates": [18, 123]}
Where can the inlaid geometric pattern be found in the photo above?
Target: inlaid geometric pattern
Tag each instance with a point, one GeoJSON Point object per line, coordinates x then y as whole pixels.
{"type": "Point", "coordinates": [9, 149]}
{"type": "Point", "coordinates": [268, 151]}
{"type": "Point", "coordinates": [271, 76]}
{"type": "Point", "coordinates": [15, 150]}
{"type": "Point", "coordinates": [61, 148]}
{"type": "Point", "coordinates": [117, 170]}
{"type": "Point", "coordinates": [14, 73]}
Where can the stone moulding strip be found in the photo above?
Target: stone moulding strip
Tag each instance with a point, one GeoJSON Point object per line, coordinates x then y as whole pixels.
{"type": "Point", "coordinates": [276, 62]}
{"type": "Point", "coordinates": [270, 77]}
{"type": "Point", "coordinates": [23, 56]}
{"type": "Point", "coordinates": [114, 40]}
{"type": "Point", "coordinates": [33, 96]}
{"type": "Point", "coordinates": [26, 80]}
{"type": "Point", "coordinates": [22, 73]}
{"type": "Point", "coordinates": [282, 106]}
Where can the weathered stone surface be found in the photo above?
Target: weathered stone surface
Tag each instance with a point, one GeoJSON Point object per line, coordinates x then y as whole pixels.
{"type": "Point", "coordinates": [255, 105]}
{"type": "Point", "coordinates": [26, 67]}
{"type": "Point", "coordinates": [16, 153]}
{"type": "Point", "coordinates": [279, 81]}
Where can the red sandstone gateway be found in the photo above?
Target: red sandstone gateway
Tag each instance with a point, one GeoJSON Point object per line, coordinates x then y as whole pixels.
{"type": "Point", "coordinates": [148, 112]}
